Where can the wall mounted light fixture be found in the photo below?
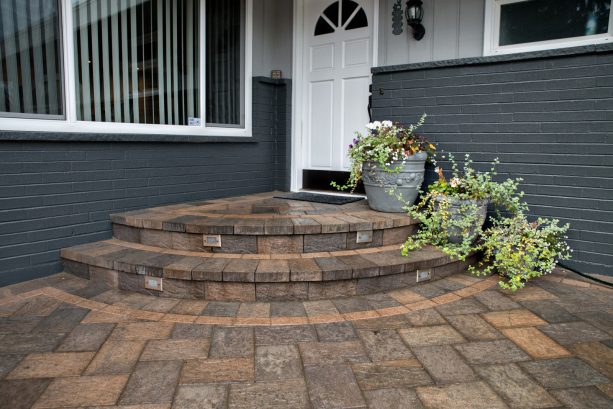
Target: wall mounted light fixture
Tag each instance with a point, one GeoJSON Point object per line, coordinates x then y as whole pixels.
{"type": "Point", "coordinates": [413, 14]}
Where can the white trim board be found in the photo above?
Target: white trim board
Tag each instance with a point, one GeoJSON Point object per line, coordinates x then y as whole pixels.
{"type": "Point", "coordinates": [70, 124]}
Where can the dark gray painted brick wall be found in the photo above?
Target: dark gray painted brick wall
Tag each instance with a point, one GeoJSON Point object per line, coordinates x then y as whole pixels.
{"type": "Point", "coordinates": [549, 120]}
{"type": "Point", "coordinates": [58, 194]}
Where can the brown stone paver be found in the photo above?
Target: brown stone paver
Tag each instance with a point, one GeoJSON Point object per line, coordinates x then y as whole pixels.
{"type": "Point", "coordinates": [333, 387]}
{"type": "Point", "coordinates": [492, 352]}
{"type": "Point", "coordinates": [51, 365]}
{"type": "Point", "coordinates": [21, 393]}
{"type": "Point", "coordinates": [444, 364]}
{"type": "Point", "coordinates": [115, 357]}
{"type": "Point", "coordinates": [435, 335]}
{"type": "Point", "coordinates": [535, 343]}
{"type": "Point", "coordinates": [460, 343]}
{"type": "Point", "coordinates": [82, 391]}
{"type": "Point", "coordinates": [476, 395]}
{"type": "Point", "coordinates": [151, 382]}
{"type": "Point", "coordinates": [513, 318]}
{"type": "Point", "coordinates": [516, 387]}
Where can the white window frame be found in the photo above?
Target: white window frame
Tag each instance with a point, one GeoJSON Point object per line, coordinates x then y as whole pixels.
{"type": "Point", "coordinates": [70, 123]}
{"type": "Point", "coordinates": [492, 32]}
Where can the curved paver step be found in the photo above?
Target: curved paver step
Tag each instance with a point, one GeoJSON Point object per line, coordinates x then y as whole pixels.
{"type": "Point", "coordinates": [237, 276]}
{"type": "Point", "coordinates": [261, 225]}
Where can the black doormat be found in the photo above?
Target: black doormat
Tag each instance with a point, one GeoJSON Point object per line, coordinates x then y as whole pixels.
{"type": "Point", "coordinates": [318, 198]}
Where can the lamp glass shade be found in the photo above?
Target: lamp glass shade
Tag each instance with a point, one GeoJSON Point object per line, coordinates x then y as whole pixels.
{"type": "Point", "coordinates": [414, 11]}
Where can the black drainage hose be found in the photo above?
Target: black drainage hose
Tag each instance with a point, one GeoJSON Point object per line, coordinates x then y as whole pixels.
{"type": "Point", "coordinates": [599, 281]}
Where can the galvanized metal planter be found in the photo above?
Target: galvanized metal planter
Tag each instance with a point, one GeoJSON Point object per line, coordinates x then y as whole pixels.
{"type": "Point", "coordinates": [406, 183]}
{"type": "Point", "coordinates": [458, 209]}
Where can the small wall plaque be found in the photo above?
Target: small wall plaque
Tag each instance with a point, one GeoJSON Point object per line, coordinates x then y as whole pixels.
{"type": "Point", "coordinates": [212, 240]}
{"type": "Point", "coordinates": [276, 74]}
{"type": "Point", "coordinates": [153, 283]}
{"type": "Point", "coordinates": [424, 275]}
{"type": "Point", "coordinates": [191, 121]}
{"type": "Point", "coordinates": [364, 236]}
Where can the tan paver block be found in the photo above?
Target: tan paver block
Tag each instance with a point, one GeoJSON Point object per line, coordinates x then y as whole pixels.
{"type": "Point", "coordinates": [597, 355]}
{"type": "Point", "coordinates": [212, 320]}
{"type": "Point", "coordinates": [52, 365]}
{"type": "Point", "coordinates": [182, 318]}
{"type": "Point", "coordinates": [289, 321]}
{"type": "Point", "coordinates": [256, 309]}
{"type": "Point", "coordinates": [325, 318]}
{"type": "Point", "coordinates": [146, 315]}
{"type": "Point", "coordinates": [102, 317]}
{"type": "Point", "coordinates": [436, 335]}
{"type": "Point", "coordinates": [445, 298]}
{"type": "Point", "coordinates": [115, 357]}
{"type": "Point", "coordinates": [513, 318]}
{"type": "Point", "coordinates": [252, 321]}
{"type": "Point", "coordinates": [421, 305]}
{"type": "Point", "coordinates": [391, 311]}
{"type": "Point", "coordinates": [607, 389]}
{"type": "Point", "coordinates": [218, 370]}
{"type": "Point", "coordinates": [176, 349]}
{"type": "Point", "coordinates": [360, 315]}
{"type": "Point", "coordinates": [91, 304]}
{"type": "Point", "coordinates": [475, 395]}
{"type": "Point", "coordinates": [467, 292]}
{"type": "Point", "coordinates": [532, 294]}
{"type": "Point", "coordinates": [82, 391]}
{"type": "Point", "coordinates": [576, 283]}
{"type": "Point", "coordinates": [535, 343]}
{"type": "Point", "coordinates": [320, 308]}
{"type": "Point", "coordinates": [142, 330]}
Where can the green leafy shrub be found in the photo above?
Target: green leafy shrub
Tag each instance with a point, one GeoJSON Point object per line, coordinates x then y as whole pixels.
{"type": "Point", "coordinates": [519, 250]}
{"type": "Point", "coordinates": [454, 209]}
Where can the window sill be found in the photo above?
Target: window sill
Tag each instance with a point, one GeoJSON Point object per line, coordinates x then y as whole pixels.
{"type": "Point", "coordinates": [101, 137]}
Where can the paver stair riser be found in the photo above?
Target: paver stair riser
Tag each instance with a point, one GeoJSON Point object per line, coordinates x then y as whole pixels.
{"type": "Point", "coordinates": [257, 247]}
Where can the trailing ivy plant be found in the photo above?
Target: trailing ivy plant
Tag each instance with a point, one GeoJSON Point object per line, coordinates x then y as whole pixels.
{"type": "Point", "coordinates": [385, 143]}
{"type": "Point", "coordinates": [452, 215]}
{"type": "Point", "coordinates": [452, 212]}
{"type": "Point", "coordinates": [519, 250]}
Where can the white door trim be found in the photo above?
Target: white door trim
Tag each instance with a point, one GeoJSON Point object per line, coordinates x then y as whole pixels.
{"type": "Point", "coordinates": [297, 82]}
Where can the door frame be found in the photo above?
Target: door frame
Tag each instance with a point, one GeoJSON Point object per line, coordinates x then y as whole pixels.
{"type": "Point", "coordinates": [297, 156]}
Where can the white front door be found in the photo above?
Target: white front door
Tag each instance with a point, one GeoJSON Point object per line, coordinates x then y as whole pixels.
{"type": "Point", "coordinates": [338, 48]}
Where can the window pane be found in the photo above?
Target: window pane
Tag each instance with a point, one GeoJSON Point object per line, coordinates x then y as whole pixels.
{"type": "Point", "coordinates": [542, 20]}
{"type": "Point", "coordinates": [225, 50]}
{"type": "Point", "coordinates": [136, 61]}
{"type": "Point", "coordinates": [30, 61]}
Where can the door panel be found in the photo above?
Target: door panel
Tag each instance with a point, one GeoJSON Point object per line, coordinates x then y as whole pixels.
{"type": "Point", "coordinates": [321, 97]}
{"type": "Point", "coordinates": [338, 53]}
{"type": "Point", "coordinates": [354, 116]}
{"type": "Point", "coordinates": [356, 53]}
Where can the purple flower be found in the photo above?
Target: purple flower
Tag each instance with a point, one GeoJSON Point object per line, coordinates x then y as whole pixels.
{"type": "Point", "coordinates": [350, 146]}
{"type": "Point", "coordinates": [355, 141]}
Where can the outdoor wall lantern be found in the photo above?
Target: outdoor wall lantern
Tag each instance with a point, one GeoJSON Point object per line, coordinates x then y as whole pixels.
{"type": "Point", "coordinates": [413, 13]}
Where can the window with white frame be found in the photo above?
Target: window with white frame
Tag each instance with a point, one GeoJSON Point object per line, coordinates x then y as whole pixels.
{"type": "Point", "coordinates": [134, 66]}
{"type": "Point", "coordinates": [529, 25]}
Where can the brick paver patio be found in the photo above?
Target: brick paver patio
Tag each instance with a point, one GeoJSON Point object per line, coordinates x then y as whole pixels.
{"type": "Point", "coordinates": [458, 342]}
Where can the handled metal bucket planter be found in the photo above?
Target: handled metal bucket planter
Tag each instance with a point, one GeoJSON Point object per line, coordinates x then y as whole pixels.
{"type": "Point", "coordinates": [405, 181]}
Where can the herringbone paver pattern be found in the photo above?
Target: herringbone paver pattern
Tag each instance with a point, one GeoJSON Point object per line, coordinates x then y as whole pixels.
{"type": "Point", "coordinates": [456, 343]}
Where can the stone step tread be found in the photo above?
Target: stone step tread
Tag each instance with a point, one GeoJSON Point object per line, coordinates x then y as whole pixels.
{"type": "Point", "coordinates": [262, 215]}
{"type": "Point", "coordinates": [115, 255]}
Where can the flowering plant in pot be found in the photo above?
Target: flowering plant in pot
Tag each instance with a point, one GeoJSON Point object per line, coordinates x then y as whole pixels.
{"type": "Point", "coordinates": [452, 212]}
{"type": "Point", "coordinates": [519, 250]}
{"type": "Point", "coordinates": [389, 159]}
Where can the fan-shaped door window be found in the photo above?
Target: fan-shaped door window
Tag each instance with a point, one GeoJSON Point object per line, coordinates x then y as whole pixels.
{"type": "Point", "coordinates": [341, 15]}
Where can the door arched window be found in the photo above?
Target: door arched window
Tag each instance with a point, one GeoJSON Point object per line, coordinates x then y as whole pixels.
{"type": "Point", "coordinates": [341, 15]}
